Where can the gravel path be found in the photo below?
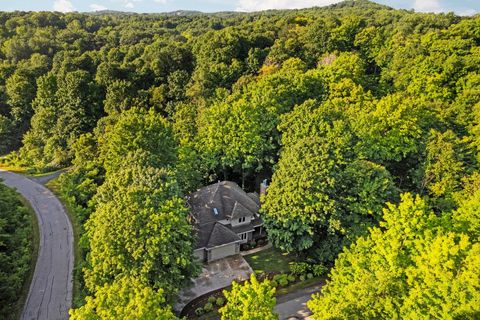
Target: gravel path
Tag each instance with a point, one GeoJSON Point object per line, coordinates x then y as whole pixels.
{"type": "Point", "coordinates": [50, 295]}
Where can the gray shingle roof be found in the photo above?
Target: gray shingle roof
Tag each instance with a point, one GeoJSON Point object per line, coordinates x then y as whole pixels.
{"type": "Point", "coordinates": [240, 211]}
{"type": "Point", "coordinates": [220, 201]}
{"type": "Point", "coordinates": [221, 235]}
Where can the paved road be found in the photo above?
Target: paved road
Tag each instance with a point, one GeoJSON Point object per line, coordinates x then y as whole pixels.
{"type": "Point", "coordinates": [295, 304]}
{"type": "Point", "coordinates": [50, 295]}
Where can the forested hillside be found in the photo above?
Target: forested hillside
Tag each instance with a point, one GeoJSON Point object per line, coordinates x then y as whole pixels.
{"type": "Point", "coordinates": [343, 109]}
{"type": "Point", "coordinates": [16, 251]}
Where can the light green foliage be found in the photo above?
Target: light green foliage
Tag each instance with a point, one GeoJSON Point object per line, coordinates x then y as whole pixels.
{"type": "Point", "coordinates": [467, 215]}
{"type": "Point", "coordinates": [390, 131]}
{"type": "Point", "coordinates": [137, 129]}
{"type": "Point", "coordinates": [140, 228]}
{"type": "Point", "coordinates": [446, 164]}
{"type": "Point", "coordinates": [125, 298]}
{"type": "Point", "coordinates": [251, 301]}
{"type": "Point", "coordinates": [240, 131]}
{"type": "Point", "coordinates": [412, 266]}
{"type": "Point", "coordinates": [333, 197]}
{"type": "Point", "coordinates": [341, 106]}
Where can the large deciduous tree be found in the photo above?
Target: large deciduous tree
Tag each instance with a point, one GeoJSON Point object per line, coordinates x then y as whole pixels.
{"type": "Point", "coordinates": [125, 298]}
{"type": "Point", "coordinates": [413, 266]}
{"type": "Point", "coordinates": [253, 300]}
{"type": "Point", "coordinates": [140, 228]}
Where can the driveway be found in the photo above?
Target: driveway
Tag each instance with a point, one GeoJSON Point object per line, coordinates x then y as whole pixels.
{"type": "Point", "coordinates": [50, 295]}
{"type": "Point", "coordinates": [294, 305]}
{"type": "Point", "coordinates": [215, 275]}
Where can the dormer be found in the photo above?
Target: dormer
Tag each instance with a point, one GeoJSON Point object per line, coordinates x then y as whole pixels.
{"type": "Point", "coordinates": [240, 215]}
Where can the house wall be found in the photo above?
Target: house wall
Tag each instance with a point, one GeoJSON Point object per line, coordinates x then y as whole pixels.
{"type": "Point", "coordinates": [236, 223]}
{"type": "Point", "coordinates": [222, 251]}
{"type": "Point", "coordinates": [248, 239]}
{"type": "Point", "coordinates": [199, 254]}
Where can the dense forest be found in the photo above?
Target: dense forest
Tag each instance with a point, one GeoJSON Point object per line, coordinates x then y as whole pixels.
{"type": "Point", "coordinates": [364, 119]}
{"type": "Point", "coordinates": [16, 250]}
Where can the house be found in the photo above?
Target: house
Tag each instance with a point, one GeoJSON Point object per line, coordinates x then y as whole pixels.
{"type": "Point", "coordinates": [224, 217]}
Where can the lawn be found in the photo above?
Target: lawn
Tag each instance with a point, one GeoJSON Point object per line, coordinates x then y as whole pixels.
{"type": "Point", "coordinates": [269, 260]}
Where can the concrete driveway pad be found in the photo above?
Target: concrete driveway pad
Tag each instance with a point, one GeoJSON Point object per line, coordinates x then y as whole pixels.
{"type": "Point", "coordinates": [215, 275]}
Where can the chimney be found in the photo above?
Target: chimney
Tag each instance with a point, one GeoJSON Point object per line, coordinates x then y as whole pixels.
{"type": "Point", "coordinates": [263, 188]}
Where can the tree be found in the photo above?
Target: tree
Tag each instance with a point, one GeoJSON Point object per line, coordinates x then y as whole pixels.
{"type": "Point", "coordinates": [251, 301]}
{"type": "Point", "coordinates": [137, 129]}
{"type": "Point", "coordinates": [239, 132]}
{"type": "Point", "coordinates": [140, 228]}
{"type": "Point", "coordinates": [15, 248]}
{"type": "Point", "coordinates": [391, 131]}
{"type": "Point", "coordinates": [445, 166]}
{"type": "Point", "coordinates": [334, 197]}
{"type": "Point", "coordinates": [124, 298]}
{"type": "Point", "coordinates": [412, 266]}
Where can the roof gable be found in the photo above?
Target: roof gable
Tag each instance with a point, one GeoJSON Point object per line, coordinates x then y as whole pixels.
{"type": "Point", "coordinates": [240, 211]}
{"type": "Point", "coordinates": [221, 235]}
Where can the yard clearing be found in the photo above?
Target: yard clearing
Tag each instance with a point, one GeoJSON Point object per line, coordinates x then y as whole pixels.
{"type": "Point", "coordinates": [270, 260]}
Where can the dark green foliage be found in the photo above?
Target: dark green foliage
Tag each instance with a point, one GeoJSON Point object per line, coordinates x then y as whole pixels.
{"type": "Point", "coordinates": [339, 107]}
{"type": "Point", "coordinates": [15, 249]}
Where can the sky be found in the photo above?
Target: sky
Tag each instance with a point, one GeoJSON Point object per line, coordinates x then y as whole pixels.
{"type": "Point", "coordinates": [462, 7]}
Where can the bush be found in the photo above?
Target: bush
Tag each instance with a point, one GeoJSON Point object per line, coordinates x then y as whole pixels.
{"type": "Point", "coordinates": [310, 275]}
{"type": "Point", "coordinates": [208, 307]}
{"type": "Point", "coordinates": [319, 270]}
{"type": "Point", "coordinates": [212, 299]}
{"type": "Point", "coordinates": [260, 242]}
{"type": "Point", "coordinates": [302, 278]}
{"type": "Point", "coordinates": [283, 282]}
{"type": "Point", "coordinates": [291, 278]}
{"type": "Point", "coordinates": [199, 311]}
{"type": "Point", "coordinates": [298, 268]}
{"type": "Point", "coordinates": [274, 283]}
{"type": "Point", "coordinates": [220, 302]}
{"type": "Point", "coordinates": [252, 244]}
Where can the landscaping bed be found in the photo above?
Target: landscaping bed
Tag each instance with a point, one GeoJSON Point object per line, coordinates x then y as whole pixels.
{"type": "Point", "coordinates": [280, 268]}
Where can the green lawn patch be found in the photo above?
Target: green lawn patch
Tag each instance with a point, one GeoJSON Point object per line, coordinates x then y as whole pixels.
{"type": "Point", "coordinates": [270, 260]}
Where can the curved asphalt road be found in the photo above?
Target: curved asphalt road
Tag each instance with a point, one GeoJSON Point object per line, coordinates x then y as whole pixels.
{"type": "Point", "coordinates": [50, 295]}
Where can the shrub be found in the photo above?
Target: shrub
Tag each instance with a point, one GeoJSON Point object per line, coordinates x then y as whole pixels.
{"type": "Point", "coordinates": [199, 311]}
{"type": "Point", "coordinates": [208, 307]}
{"type": "Point", "coordinates": [298, 268]}
{"type": "Point", "coordinates": [260, 242]}
{"type": "Point", "coordinates": [274, 283]}
{"type": "Point", "coordinates": [319, 270]}
{"type": "Point", "coordinates": [212, 299]}
{"type": "Point", "coordinates": [253, 244]}
{"type": "Point", "coordinates": [283, 282]}
{"type": "Point", "coordinates": [310, 275]}
{"type": "Point", "coordinates": [291, 278]}
{"type": "Point", "coordinates": [302, 278]}
{"type": "Point", "coordinates": [220, 302]}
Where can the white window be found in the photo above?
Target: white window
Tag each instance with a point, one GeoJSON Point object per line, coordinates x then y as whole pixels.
{"type": "Point", "coordinates": [243, 236]}
{"type": "Point", "coordinates": [242, 219]}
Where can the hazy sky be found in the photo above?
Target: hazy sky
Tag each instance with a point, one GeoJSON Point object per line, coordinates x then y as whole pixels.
{"type": "Point", "coordinates": [463, 7]}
